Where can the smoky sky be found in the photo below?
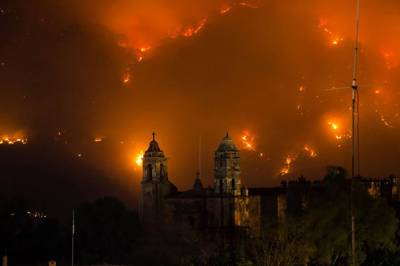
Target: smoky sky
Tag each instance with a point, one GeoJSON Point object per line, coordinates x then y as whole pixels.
{"type": "Point", "coordinates": [63, 65]}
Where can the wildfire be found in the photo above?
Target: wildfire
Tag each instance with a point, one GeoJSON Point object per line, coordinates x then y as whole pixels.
{"type": "Point", "coordinates": [310, 151]}
{"type": "Point", "coordinates": [126, 78]}
{"type": "Point", "coordinates": [334, 38]}
{"type": "Point", "coordinates": [384, 120]}
{"type": "Point", "coordinates": [194, 29]}
{"type": "Point", "coordinates": [17, 138]}
{"type": "Point", "coordinates": [249, 5]}
{"type": "Point", "coordinates": [225, 10]}
{"type": "Point", "coordinates": [338, 132]}
{"type": "Point", "coordinates": [248, 141]}
{"type": "Point", "coordinates": [141, 51]}
{"type": "Point", "coordinates": [98, 140]}
{"type": "Point", "coordinates": [289, 160]}
{"type": "Point", "coordinates": [139, 158]}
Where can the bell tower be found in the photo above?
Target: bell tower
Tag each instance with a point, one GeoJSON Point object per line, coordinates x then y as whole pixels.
{"type": "Point", "coordinates": [155, 184]}
{"type": "Point", "coordinates": [227, 168]}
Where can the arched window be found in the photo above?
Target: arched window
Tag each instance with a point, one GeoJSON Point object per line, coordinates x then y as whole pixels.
{"type": "Point", "coordinates": [149, 171]}
{"type": "Point", "coordinates": [162, 170]}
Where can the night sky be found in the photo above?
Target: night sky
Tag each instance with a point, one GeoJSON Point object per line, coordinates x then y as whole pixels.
{"type": "Point", "coordinates": [91, 80]}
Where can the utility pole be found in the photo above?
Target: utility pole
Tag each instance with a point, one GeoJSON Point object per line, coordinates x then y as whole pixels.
{"type": "Point", "coordinates": [72, 237]}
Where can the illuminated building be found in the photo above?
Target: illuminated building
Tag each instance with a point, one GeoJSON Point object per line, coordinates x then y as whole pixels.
{"type": "Point", "coordinates": [225, 205]}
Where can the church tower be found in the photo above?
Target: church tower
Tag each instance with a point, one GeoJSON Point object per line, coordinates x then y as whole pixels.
{"type": "Point", "coordinates": [155, 184]}
{"type": "Point", "coordinates": [227, 168]}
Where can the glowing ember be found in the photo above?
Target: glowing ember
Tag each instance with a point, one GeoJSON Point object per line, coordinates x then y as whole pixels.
{"type": "Point", "coordinates": [193, 30]}
{"type": "Point", "coordinates": [310, 151]}
{"type": "Point", "coordinates": [334, 38]}
{"type": "Point", "coordinates": [333, 125]}
{"type": "Point", "coordinates": [126, 77]}
{"type": "Point", "coordinates": [289, 160]}
{"type": "Point", "coordinates": [385, 122]}
{"type": "Point", "coordinates": [98, 140]}
{"type": "Point", "coordinates": [247, 4]}
{"type": "Point", "coordinates": [141, 51]}
{"type": "Point", "coordinates": [139, 158]}
{"type": "Point", "coordinates": [225, 10]}
{"type": "Point", "coordinates": [17, 138]}
{"type": "Point", "coordinates": [338, 132]}
{"type": "Point", "coordinates": [248, 141]}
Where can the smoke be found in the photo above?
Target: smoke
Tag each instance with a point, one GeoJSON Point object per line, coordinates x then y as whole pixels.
{"type": "Point", "coordinates": [64, 65]}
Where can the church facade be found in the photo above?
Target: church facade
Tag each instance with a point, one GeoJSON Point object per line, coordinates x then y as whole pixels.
{"type": "Point", "coordinates": [225, 204]}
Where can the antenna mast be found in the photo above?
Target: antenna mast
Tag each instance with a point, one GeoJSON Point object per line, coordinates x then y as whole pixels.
{"type": "Point", "coordinates": [354, 128]}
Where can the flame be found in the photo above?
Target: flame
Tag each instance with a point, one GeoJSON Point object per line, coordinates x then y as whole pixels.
{"type": "Point", "coordinates": [334, 38]}
{"type": "Point", "coordinates": [338, 132]}
{"type": "Point", "coordinates": [385, 122]}
{"type": "Point", "coordinates": [98, 140]}
{"type": "Point", "coordinates": [194, 29]}
{"type": "Point", "coordinates": [139, 158]}
{"type": "Point", "coordinates": [310, 151]}
{"type": "Point", "coordinates": [248, 141]}
{"type": "Point", "coordinates": [141, 51]}
{"type": "Point", "coordinates": [16, 138]}
{"type": "Point", "coordinates": [289, 160]}
{"type": "Point", "coordinates": [247, 4]}
{"type": "Point", "coordinates": [225, 10]}
{"type": "Point", "coordinates": [126, 78]}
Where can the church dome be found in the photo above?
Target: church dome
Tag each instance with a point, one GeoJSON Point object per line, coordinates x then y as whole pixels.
{"type": "Point", "coordinates": [227, 145]}
{"type": "Point", "coordinates": [153, 146]}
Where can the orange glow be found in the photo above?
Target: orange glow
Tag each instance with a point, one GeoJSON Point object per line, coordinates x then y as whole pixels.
{"type": "Point", "coordinates": [333, 125]}
{"type": "Point", "coordinates": [193, 30]}
{"type": "Point", "coordinates": [225, 10]}
{"type": "Point", "coordinates": [248, 141]}
{"type": "Point", "coordinates": [126, 77]}
{"type": "Point", "coordinates": [338, 132]}
{"type": "Point", "coordinates": [333, 38]}
{"type": "Point", "coordinates": [289, 160]}
{"type": "Point", "coordinates": [391, 60]}
{"type": "Point", "coordinates": [385, 122]}
{"type": "Point", "coordinates": [247, 4]}
{"type": "Point", "coordinates": [141, 51]}
{"type": "Point", "coordinates": [377, 91]}
{"type": "Point", "coordinates": [16, 138]}
{"type": "Point", "coordinates": [98, 140]}
{"type": "Point", "coordinates": [139, 158]}
{"type": "Point", "coordinates": [310, 151]}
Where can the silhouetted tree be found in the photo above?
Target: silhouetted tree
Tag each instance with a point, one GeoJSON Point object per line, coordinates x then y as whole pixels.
{"type": "Point", "coordinates": [105, 232]}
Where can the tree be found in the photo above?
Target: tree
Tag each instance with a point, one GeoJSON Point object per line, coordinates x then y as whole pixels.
{"type": "Point", "coordinates": [105, 232]}
{"type": "Point", "coordinates": [328, 224]}
{"type": "Point", "coordinates": [321, 233]}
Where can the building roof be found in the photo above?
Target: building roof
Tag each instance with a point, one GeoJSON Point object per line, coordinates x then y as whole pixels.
{"type": "Point", "coordinates": [227, 145]}
{"type": "Point", "coordinates": [153, 147]}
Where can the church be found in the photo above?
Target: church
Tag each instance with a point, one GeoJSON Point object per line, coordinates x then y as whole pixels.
{"type": "Point", "coordinates": [225, 204]}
